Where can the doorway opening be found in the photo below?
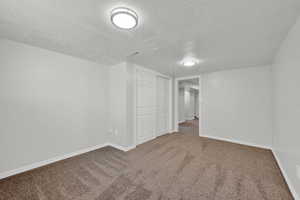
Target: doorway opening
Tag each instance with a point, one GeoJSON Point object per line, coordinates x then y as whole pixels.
{"type": "Point", "coordinates": [187, 111]}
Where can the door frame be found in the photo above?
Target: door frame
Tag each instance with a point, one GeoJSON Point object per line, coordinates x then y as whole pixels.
{"type": "Point", "coordinates": [170, 80]}
{"type": "Point", "coordinates": [176, 100]}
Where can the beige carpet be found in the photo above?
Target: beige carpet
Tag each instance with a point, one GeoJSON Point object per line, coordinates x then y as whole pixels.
{"type": "Point", "coordinates": [190, 127]}
{"type": "Point", "coordinates": [171, 167]}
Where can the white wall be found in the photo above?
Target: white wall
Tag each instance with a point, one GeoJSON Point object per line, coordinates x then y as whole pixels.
{"type": "Point", "coordinates": [117, 103]}
{"type": "Point", "coordinates": [181, 114]}
{"type": "Point", "coordinates": [237, 105]}
{"type": "Point", "coordinates": [131, 103]}
{"type": "Point", "coordinates": [50, 104]}
{"type": "Point", "coordinates": [196, 103]}
{"type": "Point", "coordinates": [121, 102]}
{"type": "Point", "coordinates": [286, 80]}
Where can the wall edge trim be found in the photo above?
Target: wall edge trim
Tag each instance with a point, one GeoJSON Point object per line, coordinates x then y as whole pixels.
{"type": "Point", "coordinates": [122, 148]}
{"type": "Point", "coordinates": [284, 174]}
{"type": "Point", "coordinates": [42, 163]}
{"type": "Point", "coordinates": [236, 141]}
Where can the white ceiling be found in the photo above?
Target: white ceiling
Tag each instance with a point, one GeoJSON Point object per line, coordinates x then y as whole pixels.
{"type": "Point", "coordinates": [226, 34]}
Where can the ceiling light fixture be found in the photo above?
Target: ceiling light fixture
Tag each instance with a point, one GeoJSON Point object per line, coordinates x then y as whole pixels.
{"type": "Point", "coordinates": [124, 18]}
{"type": "Point", "coordinates": [190, 61]}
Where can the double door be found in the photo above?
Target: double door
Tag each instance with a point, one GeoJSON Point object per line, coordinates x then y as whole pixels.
{"type": "Point", "coordinates": [152, 114]}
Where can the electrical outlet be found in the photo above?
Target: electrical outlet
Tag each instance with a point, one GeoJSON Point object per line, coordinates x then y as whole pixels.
{"type": "Point", "coordinates": [298, 171]}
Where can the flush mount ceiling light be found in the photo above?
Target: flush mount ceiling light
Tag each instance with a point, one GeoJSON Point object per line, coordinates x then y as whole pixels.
{"type": "Point", "coordinates": [124, 18]}
{"type": "Point", "coordinates": [190, 62]}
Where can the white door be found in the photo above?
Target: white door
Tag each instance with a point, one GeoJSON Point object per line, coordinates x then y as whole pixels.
{"type": "Point", "coordinates": [146, 106]}
{"type": "Point", "coordinates": [162, 106]}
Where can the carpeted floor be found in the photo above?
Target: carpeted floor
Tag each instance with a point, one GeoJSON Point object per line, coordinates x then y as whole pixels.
{"type": "Point", "coordinates": [171, 167]}
{"type": "Point", "coordinates": [190, 127]}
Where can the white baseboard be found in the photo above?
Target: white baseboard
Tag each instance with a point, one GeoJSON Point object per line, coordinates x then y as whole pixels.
{"type": "Point", "coordinates": [289, 183]}
{"type": "Point", "coordinates": [59, 158]}
{"type": "Point", "coordinates": [120, 147]}
{"type": "Point", "coordinates": [47, 162]}
{"type": "Point", "coordinates": [235, 141]}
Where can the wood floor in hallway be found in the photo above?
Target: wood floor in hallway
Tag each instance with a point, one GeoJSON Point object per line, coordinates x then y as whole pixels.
{"type": "Point", "coordinates": [172, 167]}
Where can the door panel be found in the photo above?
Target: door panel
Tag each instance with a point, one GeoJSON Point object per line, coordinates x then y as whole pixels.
{"type": "Point", "coordinates": [162, 106]}
{"type": "Point", "coordinates": [146, 106]}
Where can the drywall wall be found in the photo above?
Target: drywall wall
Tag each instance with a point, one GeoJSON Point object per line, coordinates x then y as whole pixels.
{"type": "Point", "coordinates": [286, 81]}
{"type": "Point", "coordinates": [51, 104]}
{"type": "Point", "coordinates": [181, 114]}
{"type": "Point", "coordinates": [117, 103]}
{"type": "Point", "coordinates": [236, 105]}
{"type": "Point", "coordinates": [131, 104]}
{"type": "Point", "coordinates": [121, 104]}
{"type": "Point", "coordinates": [196, 111]}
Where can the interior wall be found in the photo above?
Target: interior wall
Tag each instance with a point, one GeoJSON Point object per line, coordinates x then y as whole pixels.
{"type": "Point", "coordinates": [196, 111]}
{"type": "Point", "coordinates": [131, 103]}
{"type": "Point", "coordinates": [286, 81]}
{"type": "Point", "coordinates": [51, 104]}
{"type": "Point", "coordinates": [236, 105]}
{"type": "Point", "coordinates": [181, 114]}
{"type": "Point", "coordinates": [117, 103]}
{"type": "Point", "coordinates": [121, 102]}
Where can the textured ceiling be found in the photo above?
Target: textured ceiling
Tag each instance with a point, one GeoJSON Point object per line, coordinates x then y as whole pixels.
{"type": "Point", "coordinates": [225, 34]}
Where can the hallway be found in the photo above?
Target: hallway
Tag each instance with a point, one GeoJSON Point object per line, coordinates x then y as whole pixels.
{"type": "Point", "coordinates": [189, 127]}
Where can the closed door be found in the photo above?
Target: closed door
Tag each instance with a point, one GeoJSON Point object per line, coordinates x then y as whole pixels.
{"type": "Point", "coordinates": [146, 106]}
{"type": "Point", "coordinates": [162, 106]}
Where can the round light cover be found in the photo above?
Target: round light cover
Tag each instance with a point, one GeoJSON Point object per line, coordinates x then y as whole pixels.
{"type": "Point", "coordinates": [190, 62]}
{"type": "Point", "coordinates": [124, 18]}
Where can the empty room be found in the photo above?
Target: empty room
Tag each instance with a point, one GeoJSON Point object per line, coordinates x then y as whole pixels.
{"type": "Point", "coordinates": [149, 100]}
